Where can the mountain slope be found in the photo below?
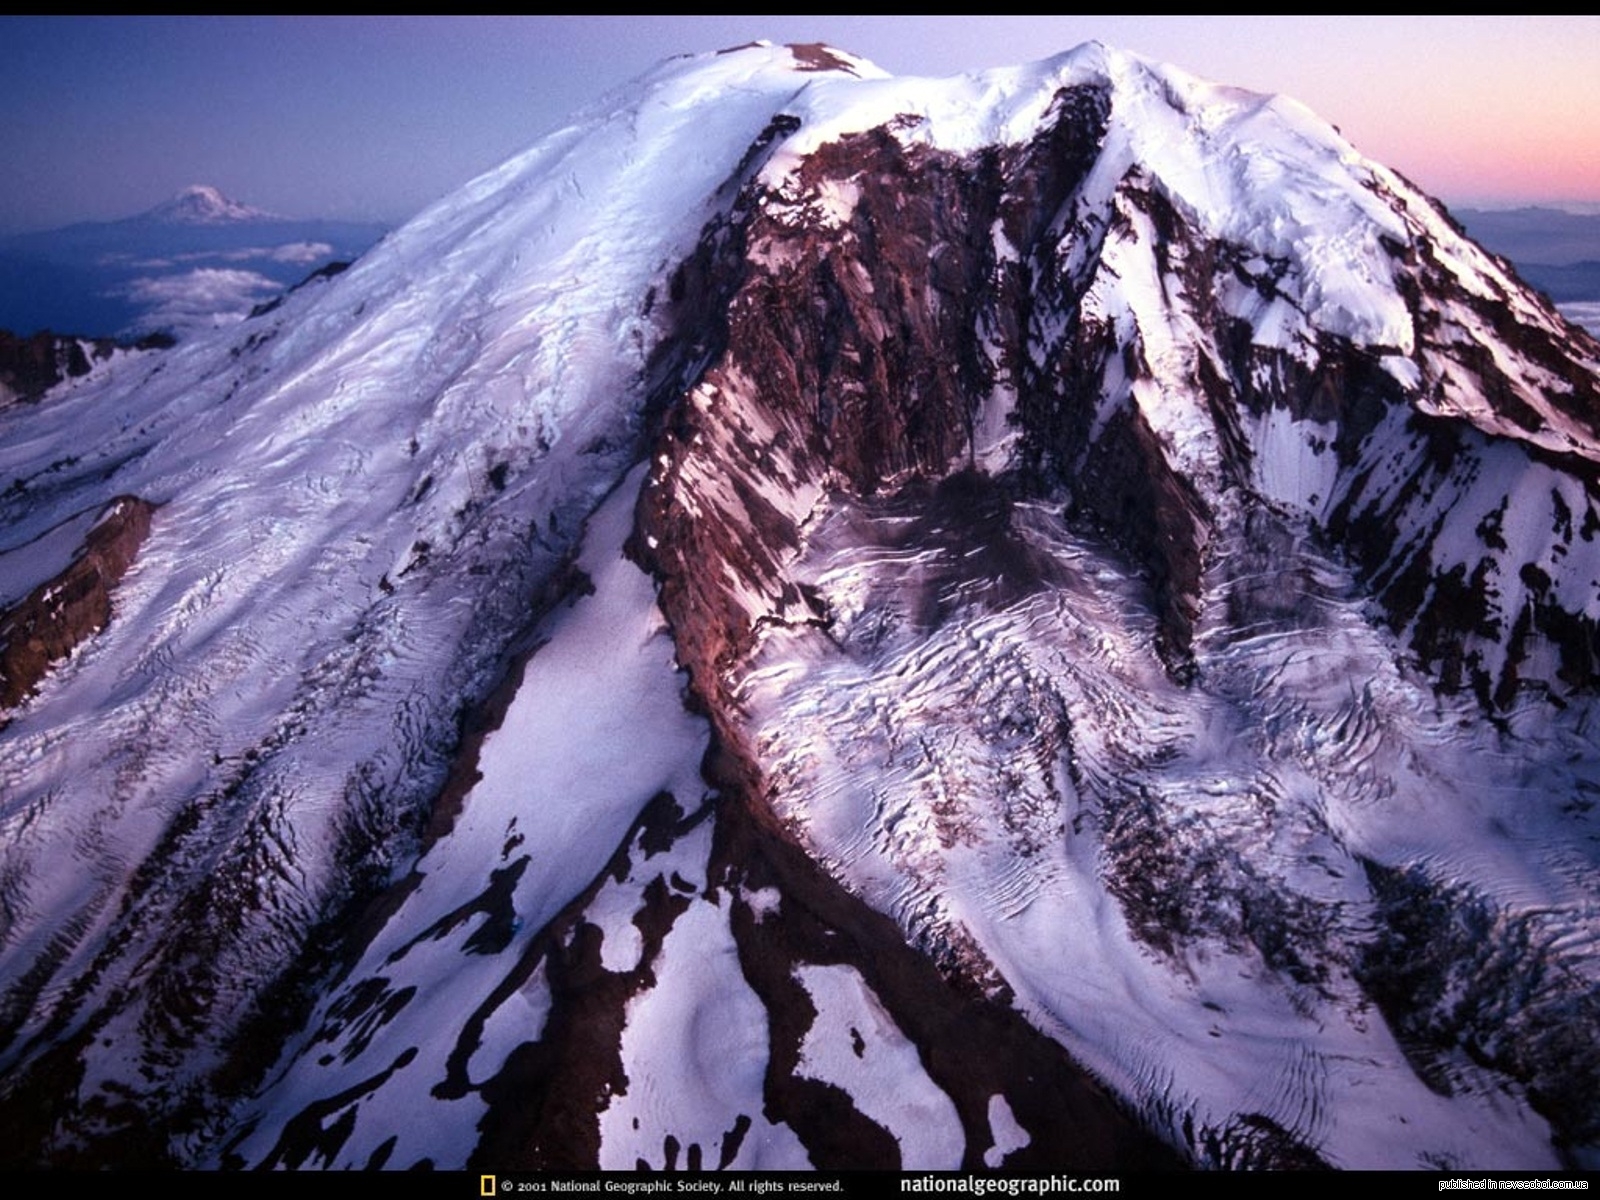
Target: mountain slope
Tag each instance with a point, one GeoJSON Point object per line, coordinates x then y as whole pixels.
{"type": "Point", "coordinates": [821, 593]}
{"type": "Point", "coordinates": [1557, 252]}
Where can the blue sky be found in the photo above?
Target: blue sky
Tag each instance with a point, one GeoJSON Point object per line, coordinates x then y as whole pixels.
{"type": "Point", "coordinates": [373, 118]}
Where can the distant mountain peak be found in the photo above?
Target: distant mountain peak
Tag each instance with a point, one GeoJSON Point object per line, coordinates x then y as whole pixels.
{"type": "Point", "coordinates": [201, 204]}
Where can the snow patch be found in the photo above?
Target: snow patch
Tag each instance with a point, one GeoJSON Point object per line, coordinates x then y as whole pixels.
{"type": "Point", "coordinates": [855, 1045]}
{"type": "Point", "coordinates": [1007, 1134]}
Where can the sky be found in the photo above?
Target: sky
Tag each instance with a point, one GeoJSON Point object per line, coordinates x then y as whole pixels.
{"type": "Point", "coordinates": [373, 118]}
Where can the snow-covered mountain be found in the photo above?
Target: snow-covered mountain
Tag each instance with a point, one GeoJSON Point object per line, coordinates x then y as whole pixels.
{"type": "Point", "coordinates": [188, 265]}
{"type": "Point", "coordinates": [1045, 618]}
{"type": "Point", "coordinates": [202, 204]}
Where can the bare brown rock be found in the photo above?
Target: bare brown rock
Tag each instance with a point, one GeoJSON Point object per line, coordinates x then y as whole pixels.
{"type": "Point", "coordinates": [31, 366]}
{"type": "Point", "coordinates": [65, 611]}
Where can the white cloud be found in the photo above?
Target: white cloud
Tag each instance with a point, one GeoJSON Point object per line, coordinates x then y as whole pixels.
{"type": "Point", "coordinates": [302, 253]}
{"type": "Point", "coordinates": [200, 299]}
{"type": "Point", "coordinates": [1583, 312]}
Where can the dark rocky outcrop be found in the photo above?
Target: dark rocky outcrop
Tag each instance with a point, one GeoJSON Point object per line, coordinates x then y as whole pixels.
{"type": "Point", "coordinates": [65, 611]}
{"type": "Point", "coordinates": [31, 366]}
{"type": "Point", "coordinates": [846, 333]}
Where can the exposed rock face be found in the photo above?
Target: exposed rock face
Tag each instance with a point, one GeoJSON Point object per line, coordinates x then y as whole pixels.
{"type": "Point", "coordinates": [872, 327]}
{"type": "Point", "coordinates": [938, 344]}
{"type": "Point", "coordinates": [65, 611]}
{"type": "Point", "coordinates": [31, 366]}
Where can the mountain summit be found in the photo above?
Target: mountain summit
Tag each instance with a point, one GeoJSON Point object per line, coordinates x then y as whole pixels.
{"type": "Point", "coordinates": [1046, 619]}
{"type": "Point", "coordinates": [203, 205]}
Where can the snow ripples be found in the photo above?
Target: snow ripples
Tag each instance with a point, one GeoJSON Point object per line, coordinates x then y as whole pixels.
{"type": "Point", "coordinates": [1027, 770]}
